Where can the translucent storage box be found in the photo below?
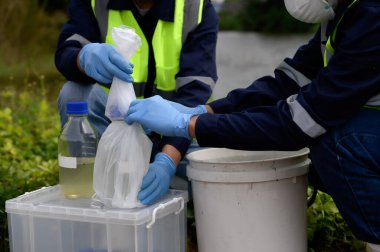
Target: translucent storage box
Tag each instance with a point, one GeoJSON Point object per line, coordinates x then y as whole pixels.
{"type": "Point", "coordinates": [45, 221]}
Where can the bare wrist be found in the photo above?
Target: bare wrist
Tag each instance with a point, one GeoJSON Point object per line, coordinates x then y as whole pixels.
{"type": "Point", "coordinates": [172, 152]}
{"type": "Point", "coordinates": [209, 109]}
{"type": "Point", "coordinates": [78, 64]}
{"type": "Point", "coordinates": [192, 123]}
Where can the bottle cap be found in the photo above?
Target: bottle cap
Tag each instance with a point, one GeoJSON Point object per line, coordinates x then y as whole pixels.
{"type": "Point", "coordinates": [76, 108]}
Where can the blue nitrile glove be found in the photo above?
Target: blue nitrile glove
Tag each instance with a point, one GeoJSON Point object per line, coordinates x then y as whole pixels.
{"type": "Point", "coordinates": [102, 62]}
{"type": "Point", "coordinates": [147, 131]}
{"type": "Point", "coordinates": [157, 114]}
{"type": "Point", "coordinates": [198, 110]}
{"type": "Point", "coordinates": [156, 182]}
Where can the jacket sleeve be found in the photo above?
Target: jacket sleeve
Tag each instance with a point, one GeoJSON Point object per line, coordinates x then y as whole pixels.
{"type": "Point", "coordinates": [331, 98]}
{"type": "Point", "coordinates": [197, 75]}
{"type": "Point", "coordinates": [81, 29]}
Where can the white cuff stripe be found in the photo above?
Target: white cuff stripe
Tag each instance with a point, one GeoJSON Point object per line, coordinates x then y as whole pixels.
{"type": "Point", "coordinates": [82, 40]}
{"type": "Point", "coordinates": [374, 100]}
{"type": "Point", "coordinates": [182, 81]}
{"type": "Point", "coordinates": [303, 119]}
{"type": "Point", "coordinates": [293, 74]}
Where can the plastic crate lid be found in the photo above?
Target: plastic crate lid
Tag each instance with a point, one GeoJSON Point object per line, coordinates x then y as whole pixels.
{"type": "Point", "coordinates": [50, 203]}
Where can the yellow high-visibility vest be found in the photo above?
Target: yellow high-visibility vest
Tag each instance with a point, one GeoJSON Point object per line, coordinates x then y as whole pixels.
{"type": "Point", "coordinates": [167, 41]}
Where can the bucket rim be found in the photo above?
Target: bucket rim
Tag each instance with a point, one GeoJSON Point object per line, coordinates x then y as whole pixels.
{"type": "Point", "coordinates": [192, 157]}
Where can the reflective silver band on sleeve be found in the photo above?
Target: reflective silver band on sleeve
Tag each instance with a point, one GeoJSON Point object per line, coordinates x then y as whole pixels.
{"type": "Point", "coordinates": [293, 74]}
{"type": "Point", "coordinates": [76, 37]}
{"type": "Point", "coordinates": [374, 101]}
{"type": "Point", "coordinates": [101, 14]}
{"type": "Point", "coordinates": [190, 17]}
{"type": "Point", "coordinates": [182, 81]}
{"type": "Point", "coordinates": [302, 118]}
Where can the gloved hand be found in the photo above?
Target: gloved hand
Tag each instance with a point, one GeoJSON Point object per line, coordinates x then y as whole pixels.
{"type": "Point", "coordinates": [198, 110]}
{"type": "Point", "coordinates": [147, 131]}
{"type": "Point", "coordinates": [157, 114]}
{"type": "Point", "coordinates": [156, 182]}
{"type": "Point", "coordinates": [102, 62]}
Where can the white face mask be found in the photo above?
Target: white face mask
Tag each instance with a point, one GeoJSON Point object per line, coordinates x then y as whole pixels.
{"type": "Point", "coordinates": [311, 11]}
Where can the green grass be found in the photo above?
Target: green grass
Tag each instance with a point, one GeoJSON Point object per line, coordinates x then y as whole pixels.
{"type": "Point", "coordinates": [29, 128]}
{"type": "Point", "coordinates": [327, 231]}
{"type": "Point", "coordinates": [29, 123]}
{"type": "Point", "coordinates": [28, 37]}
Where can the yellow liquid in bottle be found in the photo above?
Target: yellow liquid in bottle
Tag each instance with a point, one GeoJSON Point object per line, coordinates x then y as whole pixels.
{"type": "Point", "coordinates": [77, 182]}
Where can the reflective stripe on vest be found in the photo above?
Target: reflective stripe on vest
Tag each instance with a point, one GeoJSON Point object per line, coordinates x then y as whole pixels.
{"type": "Point", "coordinates": [167, 41]}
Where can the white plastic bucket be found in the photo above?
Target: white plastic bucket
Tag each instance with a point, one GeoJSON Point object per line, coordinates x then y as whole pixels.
{"type": "Point", "coordinates": [247, 201]}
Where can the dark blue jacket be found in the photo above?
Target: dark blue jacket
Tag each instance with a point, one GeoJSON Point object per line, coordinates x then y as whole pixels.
{"type": "Point", "coordinates": [197, 56]}
{"type": "Point", "coordinates": [303, 100]}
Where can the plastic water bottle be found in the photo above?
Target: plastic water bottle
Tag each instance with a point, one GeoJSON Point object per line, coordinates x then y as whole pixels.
{"type": "Point", "coordinates": [76, 152]}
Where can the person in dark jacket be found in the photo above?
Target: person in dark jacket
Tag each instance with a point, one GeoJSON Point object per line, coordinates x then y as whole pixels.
{"type": "Point", "coordinates": [176, 60]}
{"type": "Point", "coordinates": [326, 97]}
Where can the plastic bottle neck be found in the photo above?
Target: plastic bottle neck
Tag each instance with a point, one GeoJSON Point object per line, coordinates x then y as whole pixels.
{"type": "Point", "coordinates": [77, 115]}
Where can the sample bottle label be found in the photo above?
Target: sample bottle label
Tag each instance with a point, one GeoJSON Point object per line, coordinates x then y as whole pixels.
{"type": "Point", "coordinates": [67, 162]}
{"type": "Point", "coordinates": [74, 162]}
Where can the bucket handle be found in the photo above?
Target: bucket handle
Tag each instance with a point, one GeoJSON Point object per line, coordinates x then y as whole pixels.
{"type": "Point", "coordinates": [163, 206]}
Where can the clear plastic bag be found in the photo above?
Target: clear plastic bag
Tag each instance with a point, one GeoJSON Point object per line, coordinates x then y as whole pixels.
{"type": "Point", "coordinates": [121, 162]}
{"type": "Point", "coordinates": [121, 94]}
{"type": "Point", "coordinates": [123, 154]}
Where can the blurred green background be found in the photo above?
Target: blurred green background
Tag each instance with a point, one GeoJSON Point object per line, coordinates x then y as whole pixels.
{"type": "Point", "coordinates": [29, 122]}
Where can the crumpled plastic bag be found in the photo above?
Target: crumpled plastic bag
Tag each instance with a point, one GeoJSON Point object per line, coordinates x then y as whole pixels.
{"type": "Point", "coordinates": [123, 154]}
{"type": "Point", "coordinates": [121, 94]}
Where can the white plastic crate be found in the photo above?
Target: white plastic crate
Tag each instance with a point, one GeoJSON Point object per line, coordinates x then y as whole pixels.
{"type": "Point", "coordinates": [45, 221]}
